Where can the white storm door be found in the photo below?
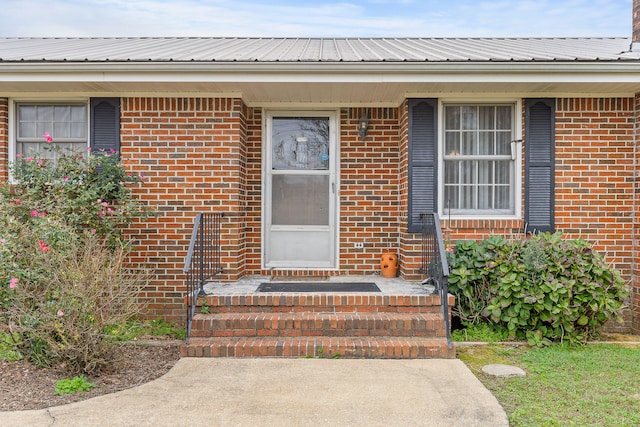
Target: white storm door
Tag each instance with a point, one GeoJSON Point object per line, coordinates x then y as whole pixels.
{"type": "Point", "coordinates": [300, 191]}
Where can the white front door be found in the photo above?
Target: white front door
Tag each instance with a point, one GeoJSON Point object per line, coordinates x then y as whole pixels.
{"type": "Point", "coordinates": [300, 190]}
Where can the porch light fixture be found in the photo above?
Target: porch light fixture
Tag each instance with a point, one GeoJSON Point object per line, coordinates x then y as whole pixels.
{"type": "Point", "coordinates": [363, 125]}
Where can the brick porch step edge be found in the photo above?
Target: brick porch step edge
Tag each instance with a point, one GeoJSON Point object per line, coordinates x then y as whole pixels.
{"type": "Point", "coordinates": [318, 324]}
{"type": "Point", "coordinates": [308, 299]}
{"type": "Point", "coordinates": [325, 347]}
{"type": "Point", "coordinates": [322, 302]}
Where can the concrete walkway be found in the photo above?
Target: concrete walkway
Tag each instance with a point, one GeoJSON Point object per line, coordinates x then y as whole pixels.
{"type": "Point", "coordinates": [288, 392]}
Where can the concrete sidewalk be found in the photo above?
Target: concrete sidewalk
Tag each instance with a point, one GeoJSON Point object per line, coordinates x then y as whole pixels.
{"type": "Point", "coordinates": [288, 392]}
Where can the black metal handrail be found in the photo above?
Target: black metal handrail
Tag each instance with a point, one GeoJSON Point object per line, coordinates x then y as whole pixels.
{"type": "Point", "coordinates": [203, 259]}
{"type": "Point", "coordinates": [435, 266]}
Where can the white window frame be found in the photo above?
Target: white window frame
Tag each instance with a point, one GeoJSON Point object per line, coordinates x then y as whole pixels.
{"type": "Point", "coordinates": [13, 120]}
{"type": "Point", "coordinates": [516, 152]}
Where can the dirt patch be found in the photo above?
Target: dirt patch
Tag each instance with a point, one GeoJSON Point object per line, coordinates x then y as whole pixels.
{"type": "Point", "coordinates": [614, 337]}
{"type": "Point", "coordinates": [23, 387]}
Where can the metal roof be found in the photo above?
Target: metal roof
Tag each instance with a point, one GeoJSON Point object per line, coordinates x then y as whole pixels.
{"type": "Point", "coordinates": [312, 50]}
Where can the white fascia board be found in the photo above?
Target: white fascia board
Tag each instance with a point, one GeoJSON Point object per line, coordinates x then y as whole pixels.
{"type": "Point", "coordinates": [384, 72]}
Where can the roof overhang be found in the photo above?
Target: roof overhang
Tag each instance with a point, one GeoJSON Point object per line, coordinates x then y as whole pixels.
{"type": "Point", "coordinates": [339, 83]}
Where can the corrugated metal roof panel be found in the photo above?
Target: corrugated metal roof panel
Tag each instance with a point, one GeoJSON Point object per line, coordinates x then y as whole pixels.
{"type": "Point", "coordinates": [314, 49]}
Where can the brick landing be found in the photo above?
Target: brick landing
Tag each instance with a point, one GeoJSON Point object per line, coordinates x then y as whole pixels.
{"type": "Point", "coordinates": [401, 321]}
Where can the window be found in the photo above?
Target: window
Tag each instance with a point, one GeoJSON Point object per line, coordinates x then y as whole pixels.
{"type": "Point", "coordinates": [66, 123]}
{"type": "Point", "coordinates": [478, 160]}
{"type": "Point", "coordinates": [463, 161]}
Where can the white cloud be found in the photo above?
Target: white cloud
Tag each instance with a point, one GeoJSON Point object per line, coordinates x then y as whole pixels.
{"type": "Point", "coordinates": [280, 18]}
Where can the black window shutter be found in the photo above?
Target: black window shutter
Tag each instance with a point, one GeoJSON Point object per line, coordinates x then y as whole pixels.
{"type": "Point", "coordinates": [105, 124]}
{"type": "Point", "coordinates": [423, 160]}
{"type": "Point", "coordinates": [539, 164]}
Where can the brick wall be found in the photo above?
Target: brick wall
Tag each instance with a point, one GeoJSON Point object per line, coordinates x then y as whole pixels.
{"type": "Point", "coordinates": [4, 139]}
{"type": "Point", "coordinates": [594, 199]}
{"type": "Point", "coordinates": [192, 152]}
{"type": "Point", "coordinates": [635, 290]}
{"type": "Point", "coordinates": [204, 154]}
{"type": "Point", "coordinates": [369, 193]}
{"type": "Point", "coordinates": [595, 148]}
{"type": "Point", "coordinates": [369, 189]}
{"type": "Point", "coordinates": [253, 225]}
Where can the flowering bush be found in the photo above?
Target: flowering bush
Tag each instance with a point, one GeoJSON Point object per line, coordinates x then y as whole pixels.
{"type": "Point", "coordinates": [83, 190]}
{"type": "Point", "coordinates": [63, 276]}
{"type": "Point", "coordinates": [61, 315]}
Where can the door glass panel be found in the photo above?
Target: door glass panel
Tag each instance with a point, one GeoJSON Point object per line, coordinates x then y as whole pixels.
{"type": "Point", "coordinates": [300, 200]}
{"type": "Point", "coordinates": [300, 143]}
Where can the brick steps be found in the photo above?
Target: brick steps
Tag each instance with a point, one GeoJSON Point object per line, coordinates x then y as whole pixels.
{"type": "Point", "coordinates": [324, 302]}
{"type": "Point", "coordinates": [367, 325]}
{"type": "Point", "coordinates": [327, 347]}
{"type": "Point", "coordinates": [317, 324]}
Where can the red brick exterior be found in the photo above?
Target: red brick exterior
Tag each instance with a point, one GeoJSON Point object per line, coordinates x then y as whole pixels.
{"type": "Point", "coordinates": [193, 154]}
{"type": "Point", "coordinates": [204, 154]}
{"type": "Point", "coordinates": [369, 196]}
{"type": "Point", "coordinates": [369, 189]}
{"type": "Point", "coordinates": [595, 168]}
{"type": "Point", "coordinates": [635, 285]}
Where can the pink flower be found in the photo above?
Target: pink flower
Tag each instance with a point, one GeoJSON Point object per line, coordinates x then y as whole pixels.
{"type": "Point", "coordinates": [42, 214]}
{"type": "Point", "coordinates": [60, 313]}
{"type": "Point", "coordinates": [93, 231]}
{"type": "Point", "coordinates": [47, 137]}
{"type": "Point", "coordinates": [13, 283]}
{"type": "Point", "coordinates": [142, 177]}
{"type": "Point", "coordinates": [66, 178]}
{"type": "Point", "coordinates": [18, 156]}
{"type": "Point", "coordinates": [40, 162]}
{"type": "Point", "coordinates": [88, 149]}
{"type": "Point", "coordinates": [105, 204]}
{"type": "Point", "coordinates": [30, 159]}
{"type": "Point", "coordinates": [34, 213]}
{"type": "Point", "coordinates": [43, 246]}
{"type": "Point", "coordinates": [3, 240]}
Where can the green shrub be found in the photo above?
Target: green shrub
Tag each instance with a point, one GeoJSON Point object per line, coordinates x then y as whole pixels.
{"type": "Point", "coordinates": [8, 350]}
{"type": "Point", "coordinates": [135, 329]}
{"type": "Point", "coordinates": [542, 289]}
{"type": "Point", "coordinates": [480, 333]}
{"type": "Point", "coordinates": [84, 191]}
{"type": "Point", "coordinates": [74, 385]}
{"type": "Point", "coordinates": [64, 279]}
{"type": "Point", "coordinates": [62, 320]}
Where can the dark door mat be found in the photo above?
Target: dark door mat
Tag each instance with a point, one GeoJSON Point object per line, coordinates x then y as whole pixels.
{"type": "Point", "coordinates": [318, 287]}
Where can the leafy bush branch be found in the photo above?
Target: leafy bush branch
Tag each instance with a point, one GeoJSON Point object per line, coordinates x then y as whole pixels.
{"type": "Point", "coordinates": [542, 289]}
{"type": "Point", "coordinates": [65, 279]}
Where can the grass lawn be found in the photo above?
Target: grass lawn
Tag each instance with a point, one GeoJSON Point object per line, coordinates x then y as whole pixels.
{"type": "Point", "coordinates": [594, 385]}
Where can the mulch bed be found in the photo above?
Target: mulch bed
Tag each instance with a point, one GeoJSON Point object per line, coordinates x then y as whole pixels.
{"type": "Point", "coordinates": [23, 386]}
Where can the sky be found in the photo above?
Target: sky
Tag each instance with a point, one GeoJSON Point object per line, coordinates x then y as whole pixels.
{"type": "Point", "coordinates": [300, 18]}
